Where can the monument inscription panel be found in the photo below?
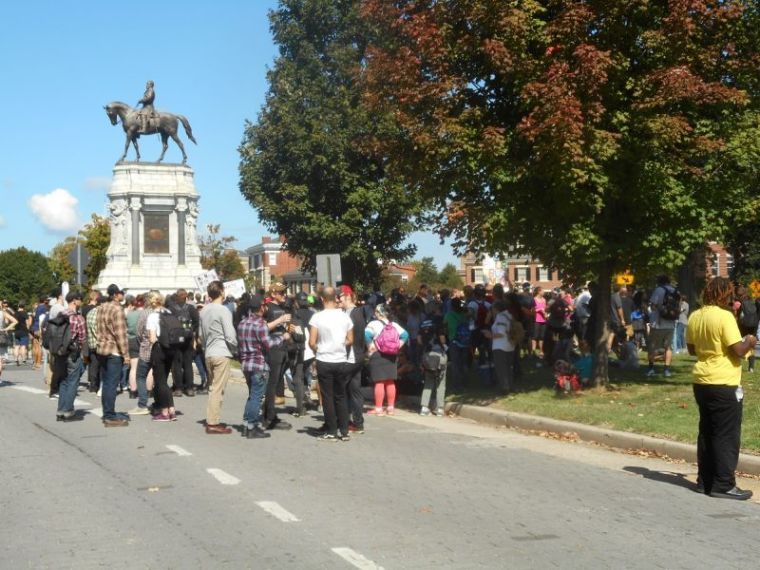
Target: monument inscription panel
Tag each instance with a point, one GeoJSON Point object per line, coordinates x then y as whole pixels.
{"type": "Point", "coordinates": [156, 236]}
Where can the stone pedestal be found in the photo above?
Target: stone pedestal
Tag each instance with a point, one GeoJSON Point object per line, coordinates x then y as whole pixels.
{"type": "Point", "coordinates": [153, 215]}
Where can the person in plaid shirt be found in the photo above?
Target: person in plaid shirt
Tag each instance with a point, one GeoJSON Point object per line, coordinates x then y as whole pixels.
{"type": "Point", "coordinates": [254, 343]}
{"type": "Point", "coordinates": [112, 348]}
{"type": "Point", "coordinates": [67, 390]}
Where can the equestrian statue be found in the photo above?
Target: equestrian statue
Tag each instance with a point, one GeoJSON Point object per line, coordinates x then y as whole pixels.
{"type": "Point", "coordinates": [148, 121]}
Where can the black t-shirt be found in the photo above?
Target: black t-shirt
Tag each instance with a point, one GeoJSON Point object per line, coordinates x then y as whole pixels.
{"type": "Point", "coordinates": [274, 312]}
{"type": "Point", "coordinates": [21, 328]}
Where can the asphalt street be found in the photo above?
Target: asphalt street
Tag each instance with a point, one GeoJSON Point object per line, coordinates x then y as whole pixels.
{"type": "Point", "coordinates": [411, 492]}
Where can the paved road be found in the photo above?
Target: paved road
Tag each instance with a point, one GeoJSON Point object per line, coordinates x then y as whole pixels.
{"type": "Point", "coordinates": [412, 492]}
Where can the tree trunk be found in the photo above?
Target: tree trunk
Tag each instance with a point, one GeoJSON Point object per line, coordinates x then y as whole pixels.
{"type": "Point", "coordinates": [601, 317]}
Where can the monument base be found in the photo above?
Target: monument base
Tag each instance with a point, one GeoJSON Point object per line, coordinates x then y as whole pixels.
{"type": "Point", "coordinates": [153, 215]}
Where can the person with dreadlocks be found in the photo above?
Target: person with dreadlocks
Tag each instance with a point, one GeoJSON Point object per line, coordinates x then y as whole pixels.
{"type": "Point", "coordinates": [713, 337]}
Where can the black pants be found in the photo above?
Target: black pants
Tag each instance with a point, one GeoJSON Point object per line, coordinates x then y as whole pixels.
{"type": "Point", "coordinates": [720, 425]}
{"type": "Point", "coordinates": [332, 381]}
{"type": "Point", "coordinates": [182, 368]}
{"type": "Point", "coordinates": [161, 363]}
{"type": "Point", "coordinates": [278, 362]}
{"type": "Point", "coordinates": [295, 363]}
{"type": "Point", "coordinates": [354, 393]}
{"type": "Point", "coordinates": [93, 372]}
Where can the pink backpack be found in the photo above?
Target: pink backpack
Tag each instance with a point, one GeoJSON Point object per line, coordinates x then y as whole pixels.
{"type": "Point", "coordinates": [388, 341]}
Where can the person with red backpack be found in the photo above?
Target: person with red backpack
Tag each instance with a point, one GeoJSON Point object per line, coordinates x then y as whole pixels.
{"type": "Point", "coordinates": [384, 340]}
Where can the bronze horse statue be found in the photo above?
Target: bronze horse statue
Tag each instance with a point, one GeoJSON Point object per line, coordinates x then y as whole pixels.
{"type": "Point", "coordinates": [164, 124]}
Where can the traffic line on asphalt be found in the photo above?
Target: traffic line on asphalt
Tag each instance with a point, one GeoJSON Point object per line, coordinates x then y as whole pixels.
{"type": "Point", "coordinates": [355, 559]}
{"type": "Point", "coordinates": [222, 476]}
{"type": "Point", "coordinates": [29, 389]}
{"type": "Point", "coordinates": [178, 450]}
{"type": "Point", "coordinates": [277, 511]}
{"type": "Point", "coordinates": [96, 412]}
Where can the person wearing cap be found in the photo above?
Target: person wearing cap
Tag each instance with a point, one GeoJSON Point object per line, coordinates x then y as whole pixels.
{"type": "Point", "coordinates": [255, 341]}
{"type": "Point", "coordinates": [219, 339]}
{"type": "Point", "coordinates": [112, 348]}
{"type": "Point", "coordinates": [277, 320]}
{"type": "Point", "coordinates": [67, 389]}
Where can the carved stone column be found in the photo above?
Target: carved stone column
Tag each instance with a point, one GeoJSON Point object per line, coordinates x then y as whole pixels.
{"type": "Point", "coordinates": [135, 206]}
{"type": "Point", "coordinates": [181, 210]}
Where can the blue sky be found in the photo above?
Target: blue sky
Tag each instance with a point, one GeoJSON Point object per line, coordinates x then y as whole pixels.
{"type": "Point", "coordinates": [63, 61]}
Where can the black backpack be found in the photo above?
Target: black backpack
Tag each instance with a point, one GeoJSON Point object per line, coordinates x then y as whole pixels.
{"type": "Point", "coordinates": [671, 304]}
{"type": "Point", "coordinates": [748, 317]}
{"type": "Point", "coordinates": [173, 335]}
{"type": "Point", "coordinates": [57, 337]}
{"type": "Point", "coordinates": [185, 317]}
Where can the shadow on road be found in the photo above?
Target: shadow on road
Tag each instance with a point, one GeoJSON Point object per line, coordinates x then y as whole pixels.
{"type": "Point", "coordinates": [678, 479]}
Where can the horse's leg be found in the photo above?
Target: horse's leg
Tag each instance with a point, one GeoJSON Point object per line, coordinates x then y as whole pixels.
{"type": "Point", "coordinates": [126, 148]}
{"type": "Point", "coordinates": [175, 138]}
{"type": "Point", "coordinates": [137, 148]}
{"type": "Point", "coordinates": [164, 145]}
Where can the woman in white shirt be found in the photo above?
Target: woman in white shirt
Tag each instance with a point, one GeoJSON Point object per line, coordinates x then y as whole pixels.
{"type": "Point", "coordinates": [160, 361]}
{"type": "Point", "coordinates": [502, 346]}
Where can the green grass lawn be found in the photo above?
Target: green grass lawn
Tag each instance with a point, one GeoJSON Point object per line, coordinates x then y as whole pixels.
{"type": "Point", "coordinates": [658, 406]}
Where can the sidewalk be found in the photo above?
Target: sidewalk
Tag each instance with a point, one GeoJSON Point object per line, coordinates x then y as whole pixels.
{"type": "Point", "coordinates": [623, 440]}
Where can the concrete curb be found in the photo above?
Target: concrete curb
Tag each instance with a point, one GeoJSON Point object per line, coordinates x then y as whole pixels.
{"type": "Point", "coordinates": [618, 439]}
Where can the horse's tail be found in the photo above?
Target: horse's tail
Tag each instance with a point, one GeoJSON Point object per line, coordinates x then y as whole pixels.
{"type": "Point", "coordinates": [188, 130]}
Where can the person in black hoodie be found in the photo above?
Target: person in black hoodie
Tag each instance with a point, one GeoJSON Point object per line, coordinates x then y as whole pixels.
{"type": "Point", "coordinates": [277, 319]}
{"type": "Point", "coordinates": [359, 316]}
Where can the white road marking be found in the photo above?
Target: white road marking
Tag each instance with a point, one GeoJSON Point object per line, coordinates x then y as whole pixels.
{"type": "Point", "coordinates": [223, 477]}
{"type": "Point", "coordinates": [178, 450]}
{"type": "Point", "coordinates": [29, 389]}
{"type": "Point", "coordinates": [79, 402]}
{"type": "Point", "coordinates": [96, 411]}
{"type": "Point", "coordinates": [355, 559]}
{"type": "Point", "coordinates": [276, 510]}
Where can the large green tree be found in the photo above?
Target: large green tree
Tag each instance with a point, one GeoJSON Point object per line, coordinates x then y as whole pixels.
{"type": "Point", "coordinates": [307, 164]}
{"type": "Point", "coordinates": [97, 238]}
{"type": "Point", "coordinates": [217, 252]}
{"type": "Point", "coordinates": [59, 262]}
{"type": "Point", "coordinates": [25, 275]}
{"type": "Point", "coordinates": [597, 136]}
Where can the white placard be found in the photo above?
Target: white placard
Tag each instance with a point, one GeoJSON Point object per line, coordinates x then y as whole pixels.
{"type": "Point", "coordinates": [328, 269]}
{"type": "Point", "coordinates": [203, 279]}
{"type": "Point", "coordinates": [235, 288]}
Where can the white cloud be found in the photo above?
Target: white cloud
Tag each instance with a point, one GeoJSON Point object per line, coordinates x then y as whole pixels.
{"type": "Point", "coordinates": [56, 210]}
{"type": "Point", "coordinates": [97, 183]}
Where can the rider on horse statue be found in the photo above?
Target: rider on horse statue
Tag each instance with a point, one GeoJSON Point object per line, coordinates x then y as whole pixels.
{"type": "Point", "coordinates": [147, 112]}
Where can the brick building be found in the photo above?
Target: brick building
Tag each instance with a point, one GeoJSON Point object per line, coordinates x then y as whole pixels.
{"type": "Point", "coordinates": [268, 260]}
{"type": "Point", "coordinates": [515, 269]}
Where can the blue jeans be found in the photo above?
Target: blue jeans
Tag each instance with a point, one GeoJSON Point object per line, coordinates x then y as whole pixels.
{"type": "Point", "coordinates": [679, 337]}
{"type": "Point", "coordinates": [142, 383]}
{"type": "Point", "coordinates": [201, 366]}
{"type": "Point", "coordinates": [257, 384]}
{"type": "Point", "coordinates": [67, 389]}
{"type": "Point", "coordinates": [110, 367]}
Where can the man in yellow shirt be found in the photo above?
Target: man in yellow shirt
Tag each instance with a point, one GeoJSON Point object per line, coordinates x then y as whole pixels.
{"type": "Point", "coordinates": [712, 335]}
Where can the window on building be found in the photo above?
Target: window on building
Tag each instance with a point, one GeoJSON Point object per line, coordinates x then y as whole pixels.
{"type": "Point", "coordinates": [543, 274]}
{"type": "Point", "coordinates": [522, 273]}
{"type": "Point", "coordinates": [256, 261]}
{"type": "Point", "coordinates": [729, 264]}
{"type": "Point", "coordinates": [272, 259]}
{"type": "Point", "coordinates": [715, 265]}
{"type": "Point", "coordinates": [478, 275]}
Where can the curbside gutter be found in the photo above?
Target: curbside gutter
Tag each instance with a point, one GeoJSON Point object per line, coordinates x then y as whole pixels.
{"type": "Point", "coordinates": [618, 439]}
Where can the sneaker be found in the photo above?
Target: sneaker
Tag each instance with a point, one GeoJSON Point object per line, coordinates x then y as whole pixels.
{"type": "Point", "coordinates": [116, 422]}
{"type": "Point", "coordinates": [345, 437]}
{"type": "Point", "coordinates": [353, 428]}
{"type": "Point", "coordinates": [173, 417]}
{"type": "Point", "coordinates": [440, 412]}
{"type": "Point", "coordinates": [651, 372]}
{"type": "Point", "coordinates": [425, 411]}
{"type": "Point", "coordinates": [328, 437]}
{"type": "Point", "coordinates": [667, 373]}
{"type": "Point", "coordinates": [278, 424]}
{"type": "Point", "coordinates": [751, 369]}
{"type": "Point", "coordinates": [390, 412]}
{"type": "Point", "coordinates": [256, 433]}
{"type": "Point", "coordinates": [138, 411]}
{"type": "Point", "coordinates": [279, 401]}
{"type": "Point", "coordinates": [162, 418]}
